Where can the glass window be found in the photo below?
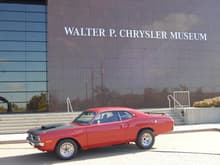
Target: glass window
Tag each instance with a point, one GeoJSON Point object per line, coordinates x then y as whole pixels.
{"type": "Point", "coordinates": [22, 66]}
{"type": "Point", "coordinates": [36, 36]}
{"type": "Point", "coordinates": [23, 56]}
{"type": "Point", "coordinates": [36, 56]}
{"type": "Point", "coordinates": [85, 117]}
{"type": "Point", "coordinates": [19, 107]}
{"type": "Point", "coordinates": [15, 107]}
{"type": "Point", "coordinates": [12, 66]}
{"type": "Point", "coordinates": [22, 86]}
{"type": "Point", "coordinates": [14, 96]}
{"type": "Point", "coordinates": [12, 76]}
{"type": "Point", "coordinates": [36, 86]}
{"type": "Point", "coordinates": [40, 17]}
{"type": "Point", "coordinates": [22, 76]}
{"type": "Point", "coordinates": [37, 102]}
{"type": "Point", "coordinates": [3, 107]}
{"type": "Point", "coordinates": [22, 36]}
{"type": "Point", "coordinates": [36, 76]}
{"type": "Point", "coordinates": [22, 16]}
{"type": "Point", "coordinates": [36, 66]}
{"type": "Point", "coordinates": [12, 16]}
{"type": "Point", "coordinates": [12, 7]}
{"type": "Point", "coordinates": [22, 46]}
{"type": "Point", "coordinates": [30, 95]}
{"type": "Point", "coordinates": [35, 26]}
{"type": "Point", "coordinates": [4, 25]}
{"type": "Point", "coordinates": [12, 46]}
{"type": "Point", "coordinates": [34, 8]}
{"type": "Point", "coordinates": [12, 86]}
{"type": "Point", "coordinates": [106, 117]}
{"type": "Point", "coordinates": [9, 56]}
{"type": "Point", "coordinates": [22, 7]}
{"type": "Point", "coordinates": [23, 26]}
{"type": "Point", "coordinates": [36, 46]}
{"type": "Point", "coordinates": [6, 6]}
{"type": "Point", "coordinates": [125, 115]}
{"type": "Point", "coordinates": [14, 36]}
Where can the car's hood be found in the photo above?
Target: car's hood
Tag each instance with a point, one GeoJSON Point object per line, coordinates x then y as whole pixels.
{"type": "Point", "coordinates": [51, 127]}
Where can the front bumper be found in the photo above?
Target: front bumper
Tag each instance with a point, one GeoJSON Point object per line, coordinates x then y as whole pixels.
{"type": "Point", "coordinates": [34, 140]}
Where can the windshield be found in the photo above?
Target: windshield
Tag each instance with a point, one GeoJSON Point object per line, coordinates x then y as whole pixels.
{"type": "Point", "coordinates": [85, 117]}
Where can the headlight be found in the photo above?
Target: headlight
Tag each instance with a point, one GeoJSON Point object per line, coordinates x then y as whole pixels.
{"type": "Point", "coordinates": [34, 138]}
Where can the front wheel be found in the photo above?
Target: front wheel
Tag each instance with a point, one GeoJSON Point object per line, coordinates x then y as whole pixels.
{"type": "Point", "coordinates": [145, 139]}
{"type": "Point", "coordinates": [66, 149]}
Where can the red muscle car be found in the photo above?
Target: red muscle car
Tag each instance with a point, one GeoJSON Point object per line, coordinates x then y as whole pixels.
{"type": "Point", "coordinates": [99, 127]}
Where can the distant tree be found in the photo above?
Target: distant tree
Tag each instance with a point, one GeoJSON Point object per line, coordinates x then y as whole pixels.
{"type": "Point", "coordinates": [3, 109]}
{"type": "Point", "coordinates": [16, 108]}
{"type": "Point", "coordinates": [183, 87]}
{"type": "Point", "coordinates": [38, 103]}
{"type": "Point", "coordinates": [103, 96]}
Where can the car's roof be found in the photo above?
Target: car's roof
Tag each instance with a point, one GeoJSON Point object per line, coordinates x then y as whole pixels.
{"type": "Point", "coordinates": [104, 109]}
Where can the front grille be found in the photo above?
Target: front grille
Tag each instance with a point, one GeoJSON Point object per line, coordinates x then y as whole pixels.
{"type": "Point", "coordinates": [33, 138]}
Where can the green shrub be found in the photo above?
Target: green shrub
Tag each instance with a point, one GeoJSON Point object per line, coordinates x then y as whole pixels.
{"type": "Point", "coordinates": [212, 102]}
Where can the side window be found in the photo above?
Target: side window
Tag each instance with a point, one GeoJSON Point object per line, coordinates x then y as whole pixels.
{"type": "Point", "coordinates": [106, 117]}
{"type": "Point", "coordinates": [125, 115]}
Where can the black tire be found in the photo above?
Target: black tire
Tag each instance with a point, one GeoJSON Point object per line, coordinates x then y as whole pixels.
{"type": "Point", "coordinates": [66, 149]}
{"type": "Point", "coordinates": [145, 139]}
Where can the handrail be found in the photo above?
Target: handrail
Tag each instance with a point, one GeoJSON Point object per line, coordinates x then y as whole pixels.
{"type": "Point", "coordinates": [170, 98]}
{"type": "Point", "coordinates": [69, 105]}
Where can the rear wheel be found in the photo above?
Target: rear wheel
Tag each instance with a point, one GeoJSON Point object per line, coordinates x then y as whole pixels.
{"type": "Point", "coordinates": [145, 139]}
{"type": "Point", "coordinates": [66, 149]}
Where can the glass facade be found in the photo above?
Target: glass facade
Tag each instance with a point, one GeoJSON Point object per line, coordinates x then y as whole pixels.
{"type": "Point", "coordinates": [106, 53]}
{"type": "Point", "coordinates": [23, 57]}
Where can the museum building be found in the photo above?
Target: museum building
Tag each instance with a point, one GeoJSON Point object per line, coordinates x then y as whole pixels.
{"type": "Point", "coordinates": [106, 53]}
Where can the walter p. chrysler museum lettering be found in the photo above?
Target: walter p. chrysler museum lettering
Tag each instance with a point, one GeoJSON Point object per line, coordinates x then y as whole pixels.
{"type": "Point", "coordinates": [132, 33]}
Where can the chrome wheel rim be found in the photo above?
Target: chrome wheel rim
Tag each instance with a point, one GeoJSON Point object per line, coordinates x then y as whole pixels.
{"type": "Point", "coordinates": [146, 139]}
{"type": "Point", "coordinates": [67, 149]}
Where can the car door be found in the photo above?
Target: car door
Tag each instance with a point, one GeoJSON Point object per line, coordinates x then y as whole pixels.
{"type": "Point", "coordinates": [106, 129]}
{"type": "Point", "coordinates": [129, 125]}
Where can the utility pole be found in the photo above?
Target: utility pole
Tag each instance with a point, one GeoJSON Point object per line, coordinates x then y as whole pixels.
{"type": "Point", "coordinates": [92, 86]}
{"type": "Point", "coordinates": [86, 86]}
{"type": "Point", "coordinates": [102, 83]}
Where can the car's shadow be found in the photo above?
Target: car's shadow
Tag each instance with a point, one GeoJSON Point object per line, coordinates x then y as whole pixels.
{"type": "Point", "coordinates": [50, 158]}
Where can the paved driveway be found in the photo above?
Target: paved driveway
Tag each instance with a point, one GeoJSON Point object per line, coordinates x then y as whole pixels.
{"type": "Point", "coordinates": [200, 148]}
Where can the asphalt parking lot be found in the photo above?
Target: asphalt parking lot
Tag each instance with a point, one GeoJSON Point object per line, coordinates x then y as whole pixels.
{"type": "Point", "coordinates": [182, 148]}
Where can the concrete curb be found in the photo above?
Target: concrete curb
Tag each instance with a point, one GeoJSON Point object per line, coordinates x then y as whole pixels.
{"type": "Point", "coordinates": [13, 138]}
{"type": "Point", "coordinates": [195, 130]}
{"type": "Point", "coordinates": [13, 142]}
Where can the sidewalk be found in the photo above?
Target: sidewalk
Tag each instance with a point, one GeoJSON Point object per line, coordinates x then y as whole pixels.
{"type": "Point", "coordinates": [13, 138]}
{"type": "Point", "coordinates": [196, 128]}
{"type": "Point", "coordinates": [21, 138]}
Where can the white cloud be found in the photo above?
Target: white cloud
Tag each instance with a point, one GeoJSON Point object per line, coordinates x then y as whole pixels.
{"type": "Point", "coordinates": [16, 85]}
{"type": "Point", "coordinates": [176, 22]}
